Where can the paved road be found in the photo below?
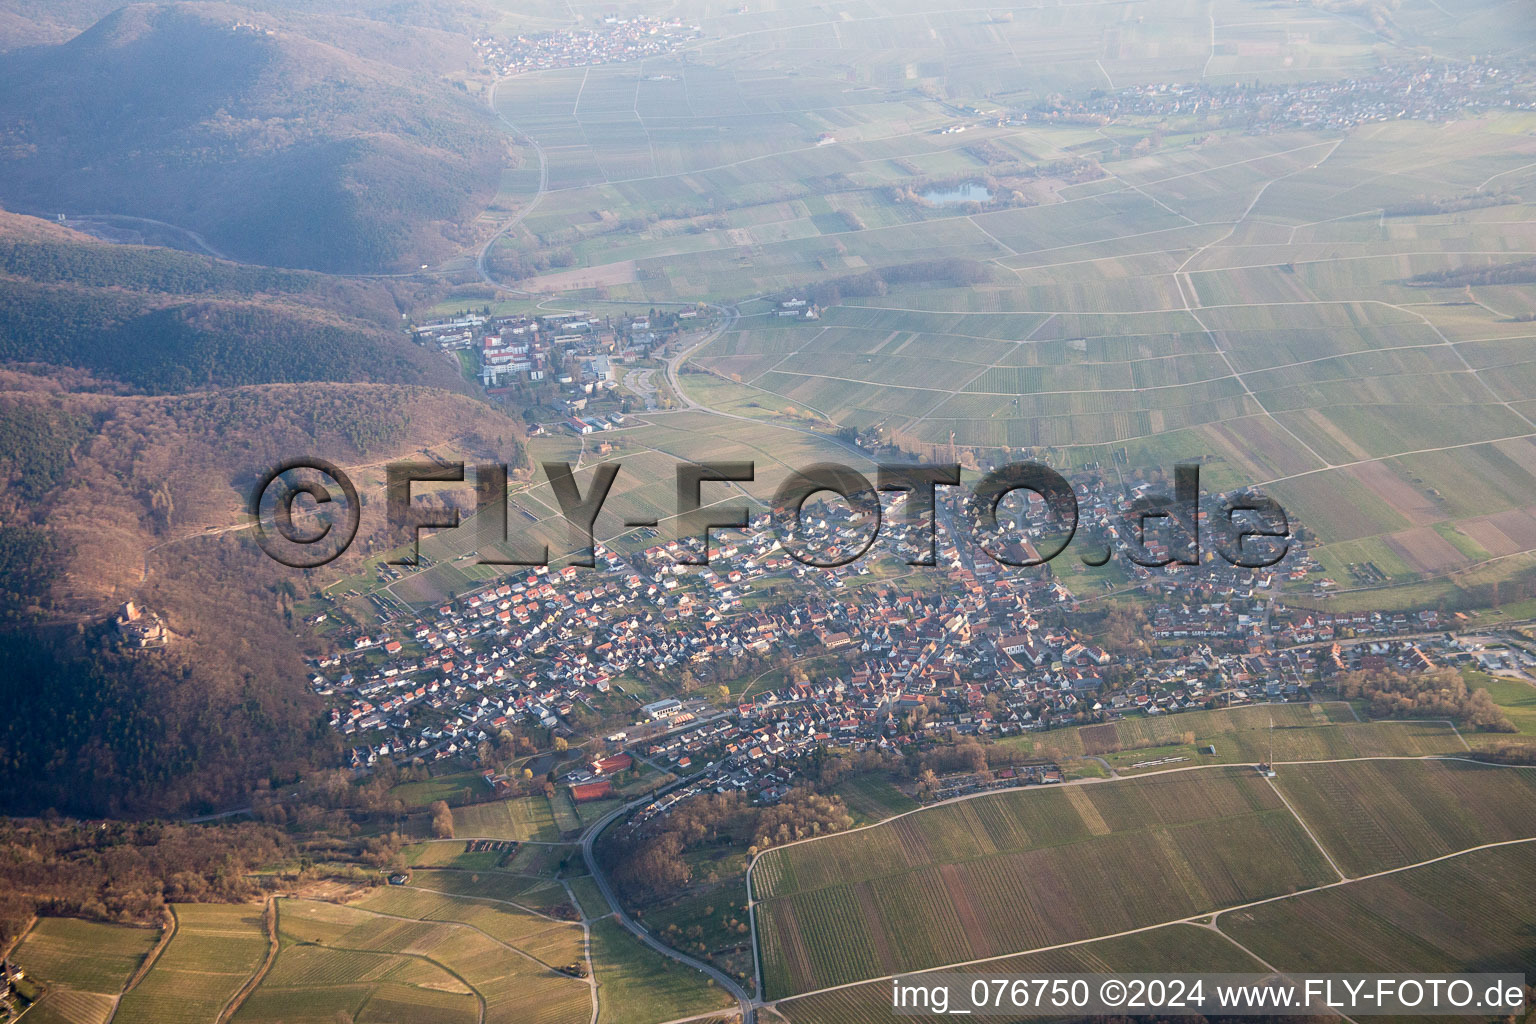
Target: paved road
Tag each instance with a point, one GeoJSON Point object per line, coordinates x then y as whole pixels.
{"type": "Point", "coordinates": [746, 1006]}
{"type": "Point", "coordinates": [480, 260]}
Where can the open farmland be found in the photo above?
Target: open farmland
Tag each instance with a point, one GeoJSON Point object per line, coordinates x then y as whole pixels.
{"type": "Point", "coordinates": [1466, 913]}
{"type": "Point", "coordinates": [551, 942]}
{"type": "Point", "coordinates": [1240, 300]}
{"type": "Point", "coordinates": [445, 968]}
{"type": "Point", "coordinates": [1246, 735]}
{"type": "Point", "coordinates": [215, 949]}
{"type": "Point", "coordinates": [319, 982]}
{"type": "Point", "coordinates": [636, 985]}
{"type": "Point", "coordinates": [1022, 869]}
{"type": "Point", "coordinates": [1374, 815]}
{"type": "Point", "coordinates": [84, 965]}
{"type": "Point", "coordinates": [524, 818]}
{"type": "Point", "coordinates": [1166, 949]}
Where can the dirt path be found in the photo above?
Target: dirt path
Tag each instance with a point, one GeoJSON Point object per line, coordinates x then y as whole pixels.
{"type": "Point", "coordinates": [269, 920]}
{"type": "Point", "coordinates": [1196, 919]}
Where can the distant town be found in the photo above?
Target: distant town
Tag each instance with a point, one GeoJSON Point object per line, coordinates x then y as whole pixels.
{"type": "Point", "coordinates": [612, 40]}
{"type": "Point", "coordinates": [1426, 90]}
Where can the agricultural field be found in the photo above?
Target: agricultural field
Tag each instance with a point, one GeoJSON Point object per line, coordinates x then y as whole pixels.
{"type": "Point", "coordinates": [215, 949]}
{"type": "Point", "coordinates": [312, 981]}
{"type": "Point", "coordinates": [455, 853]}
{"type": "Point", "coordinates": [1027, 869]}
{"type": "Point", "coordinates": [529, 892]}
{"type": "Point", "coordinates": [1234, 299]}
{"type": "Point", "coordinates": [1376, 815]}
{"type": "Point", "coordinates": [459, 787]}
{"type": "Point", "coordinates": [1467, 913]}
{"type": "Point", "coordinates": [83, 964]}
{"type": "Point", "coordinates": [348, 958]}
{"type": "Point", "coordinates": [524, 818]}
{"type": "Point", "coordinates": [636, 985]}
{"type": "Point", "coordinates": [553, 942]}
{"type": "Point", "coordinates": [1244, 735]}
{"type": "Point", "coordinates": [589, 898]}
{"type": "Point", "coordinates": [1170, 948]}
{"type": "Point", "coordinates": [873, 798]}
{"type": "Point", "coordinates": [1464, 913]}
{"type": "Point", "coordinates": [1023, 869]}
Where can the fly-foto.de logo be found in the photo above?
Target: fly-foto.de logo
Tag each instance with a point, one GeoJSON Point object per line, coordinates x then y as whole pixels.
{"type": "Point", "coordinates": [308, 512]}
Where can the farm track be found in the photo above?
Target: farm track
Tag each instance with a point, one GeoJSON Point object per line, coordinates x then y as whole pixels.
{"type": "Point", "coordinates": [166, 935]}
{"type": "Point", "coordinates": [269, 920]}
{"type": "Point", "coordinates": [1197, 919]}
{"type": "Point", "coordinates": [530, 206]}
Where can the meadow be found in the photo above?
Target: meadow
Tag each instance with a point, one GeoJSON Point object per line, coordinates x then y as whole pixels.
{"type": "Point", "coordinates": [635, 984]}
{"type": "Point", "coordinates": [523, 818]}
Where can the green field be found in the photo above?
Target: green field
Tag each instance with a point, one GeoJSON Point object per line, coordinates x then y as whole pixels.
{"type": "Point", "coordinates": [553, 943]}
{"type": "Point", "coordinates": [1515, 696]}
{"type": "Point", "coordinates": [529, 891]}
{"type": "Point", "coordinates": [872, 798]}
{"type": "Point", "coordinates": [1244, 735]}
{"type": "Point", "coordinates": [1468, 913]}
{"type": "Point", "coordinates": [312, 982]}
{"type": "Point", "coordinates": [389, 955]}
{"type": "Point", "coordinates": [459, 787]}
{"type": "Point", "coordinates": [590, 898]}
{"type": "Point", "coordinates": [522, 818]}
{"type": "Point", "coordinates": [1030, 869]}
{"type": "Point", "coordinates": [1023, 869]}
{"type": "Point", "coordinates": [1374, 815]}
{"type": "Point", "coordinates": [83, 964]}
{"type": "Point", "coordinates": [1172, 948]}
{"type": "Point", "coordinates": [636, 985]}
{"type": "Point", "coordinates": [215, 950]}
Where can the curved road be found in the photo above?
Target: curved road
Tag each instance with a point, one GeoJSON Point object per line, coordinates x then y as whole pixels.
{"type": "Point", "coordinates": [746, 1005]}
{"type": "Point", "coordinates": [480, 260]}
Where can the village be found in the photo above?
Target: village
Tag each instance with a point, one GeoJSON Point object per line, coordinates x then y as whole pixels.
{"type": "Point", "coordinates": [1426, 90]}
{"type": "Point", "coordinates": [614, 39]}
{"type": "Point", "coordinates": [643, 658]}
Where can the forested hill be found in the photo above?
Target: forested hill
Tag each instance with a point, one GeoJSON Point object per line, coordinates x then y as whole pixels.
{"type": "Point", "coordinates": [142, 391]}
{"type": "Point", "coordinates": [281, 138]}
{"type": "Point", "coordinates": [159, 321]}
{"type": "Point", "coordinates": [108, 498]}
